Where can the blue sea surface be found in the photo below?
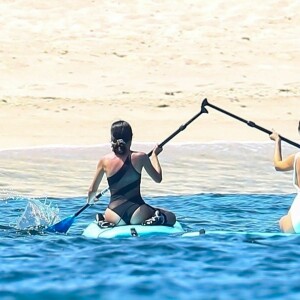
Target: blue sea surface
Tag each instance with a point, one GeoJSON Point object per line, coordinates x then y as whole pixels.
{"type": "Point", "coordinates": [220, 186]}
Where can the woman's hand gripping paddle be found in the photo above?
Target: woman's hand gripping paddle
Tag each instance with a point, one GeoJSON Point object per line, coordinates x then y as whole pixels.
{"type": "Point", "coordinates": [64, 225]}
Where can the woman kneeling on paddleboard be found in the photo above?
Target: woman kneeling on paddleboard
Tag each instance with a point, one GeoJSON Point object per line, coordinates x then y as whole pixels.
{"type": "Point", "coordinates": [289, 223]}
{"type": "Point", "coordinates": [123, 168]}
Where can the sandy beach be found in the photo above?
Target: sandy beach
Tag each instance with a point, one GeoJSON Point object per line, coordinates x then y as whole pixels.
{"type": "Point", "coordinates": [70, 68]}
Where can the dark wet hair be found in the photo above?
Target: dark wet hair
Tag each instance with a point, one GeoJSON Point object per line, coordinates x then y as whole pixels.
{"type": "Point", "coordinates": [121, 134]}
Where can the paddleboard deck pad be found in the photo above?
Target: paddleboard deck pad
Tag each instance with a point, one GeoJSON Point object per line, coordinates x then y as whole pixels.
{"type": "Point", "coordinates": [93, 230]}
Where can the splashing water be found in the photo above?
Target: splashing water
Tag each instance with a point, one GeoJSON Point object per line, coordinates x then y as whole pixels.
{"type": "Point", "coordinates": [37, 214]}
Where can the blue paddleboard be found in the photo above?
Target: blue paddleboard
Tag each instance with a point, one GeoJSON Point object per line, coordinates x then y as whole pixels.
{"type": "Point", "coordinates": [93, 230]}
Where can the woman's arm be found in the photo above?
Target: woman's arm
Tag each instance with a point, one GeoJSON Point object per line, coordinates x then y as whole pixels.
{"type": "Point", "coordinates": [95, 183]}
{"type": "Point", "coordinates": [152, 166]}
{"type": "Point", "coordinates": [279, 164]}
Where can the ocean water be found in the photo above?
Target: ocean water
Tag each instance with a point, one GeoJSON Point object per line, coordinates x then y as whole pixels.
{"type": "Point", "coordinates": [214, 186]}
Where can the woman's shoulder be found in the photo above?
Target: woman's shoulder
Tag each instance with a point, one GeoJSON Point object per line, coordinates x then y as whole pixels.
{"type": "Point", "coordinates": [107, 158]}
{"type": "Point", "coordinates": [138, 154]}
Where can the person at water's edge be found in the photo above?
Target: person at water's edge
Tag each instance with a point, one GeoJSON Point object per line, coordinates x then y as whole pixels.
{"type": "Point", "coordinates": [123, 168]}
{"type": "Point", "coordinates": [290, 223]}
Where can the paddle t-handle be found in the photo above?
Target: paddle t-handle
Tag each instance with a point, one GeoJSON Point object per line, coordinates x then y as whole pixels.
{"type": "Point", "coordinates": [249, 123]}
{"type": "Point", "coordinates": [183, 126]}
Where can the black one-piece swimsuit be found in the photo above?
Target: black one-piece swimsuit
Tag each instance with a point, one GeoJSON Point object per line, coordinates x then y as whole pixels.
{"type": "Point", "coordinates": [125, 191]}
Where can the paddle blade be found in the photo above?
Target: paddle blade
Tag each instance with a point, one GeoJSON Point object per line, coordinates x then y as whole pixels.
{"type": "Point", "coordinates": [63, 226]}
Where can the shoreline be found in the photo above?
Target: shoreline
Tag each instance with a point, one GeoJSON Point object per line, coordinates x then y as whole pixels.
{"type": "Point", "coordinates": [30, 122]}
{"type": "Point", "coordinates": [103, 148]}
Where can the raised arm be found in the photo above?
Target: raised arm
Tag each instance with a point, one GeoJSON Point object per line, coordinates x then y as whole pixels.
{"type": "Point", "coordinates": [280, 164]}
{"type": "Point", "coordinates": [152, 165]}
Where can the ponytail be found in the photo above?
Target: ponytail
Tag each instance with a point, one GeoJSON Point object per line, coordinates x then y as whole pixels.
{"type": "Point", "coordinates": [119, 146]}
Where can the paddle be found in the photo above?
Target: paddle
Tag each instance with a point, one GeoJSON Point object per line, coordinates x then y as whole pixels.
{"type": "Point", "coordinates": [249, 123]}
{"type": "Point", "coordinates": [64, 225]}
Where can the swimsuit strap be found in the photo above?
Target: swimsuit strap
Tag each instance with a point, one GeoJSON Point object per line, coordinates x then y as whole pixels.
{"type": "Point", "coordinates": [120, 173]}
{"type": "Point", "coordinates": [125, 182]}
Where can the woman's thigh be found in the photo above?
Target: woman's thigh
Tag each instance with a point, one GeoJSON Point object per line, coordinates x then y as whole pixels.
{"type": "Point", "coordinates": [141, 214]}
{"type": "Point", "coordinates": [112, 217]}
{"type": "Point", "coordinates": [286, 224]}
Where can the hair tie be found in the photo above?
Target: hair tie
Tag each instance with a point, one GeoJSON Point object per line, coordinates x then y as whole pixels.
{"type": "Point", "coordinates": [120, 142]}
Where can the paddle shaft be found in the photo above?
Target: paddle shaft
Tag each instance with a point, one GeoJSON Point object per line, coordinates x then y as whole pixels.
{"type": "Point", "coordinates": [249, 123]}
{"type": "Point", "coordinates": [181, 128]}
{"type": "Point", "coordinates": [81, 210]}
{"type": "Point", "coordinates": [87, 205]}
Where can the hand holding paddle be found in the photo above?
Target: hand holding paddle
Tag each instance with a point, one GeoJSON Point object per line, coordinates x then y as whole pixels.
{"type": "Point", "coordinates": [274, 136]}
